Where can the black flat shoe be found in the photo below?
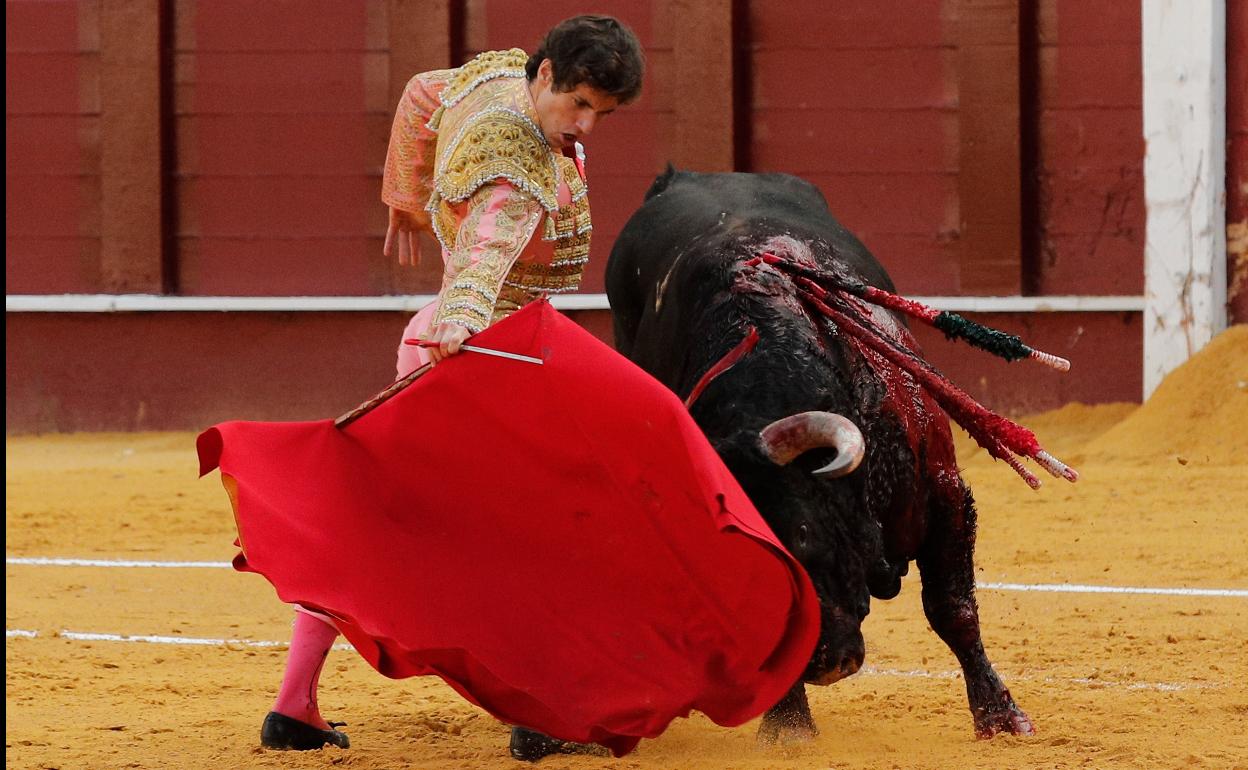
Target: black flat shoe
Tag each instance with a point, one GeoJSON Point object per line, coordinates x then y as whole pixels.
{"type": "Point", "coordinates": [282, 732]}
{"type": "Point", "coordinates": [530, 745]}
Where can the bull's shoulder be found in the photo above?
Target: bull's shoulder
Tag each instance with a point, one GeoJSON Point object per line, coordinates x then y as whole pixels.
{"type": "Point", "coordinates": [740, 192]}
{"type": "Point", "coordinates": [800, 190]}
{"type": "Point", "coordinates": [720, 214]}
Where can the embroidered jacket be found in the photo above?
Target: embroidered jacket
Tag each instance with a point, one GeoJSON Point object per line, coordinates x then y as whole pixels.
{"type": "Point", "coordinates": [466, 147]}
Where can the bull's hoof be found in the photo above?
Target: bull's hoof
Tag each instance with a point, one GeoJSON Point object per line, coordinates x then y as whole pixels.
{"type": "Point", "coordinates": [530, 745]}
{"type": "Point", "coordinates": [1010, 720]}
{"type": "Point", "coordinates": [786, 731]}
{"type": "Point", "coordinates": [285, 733]}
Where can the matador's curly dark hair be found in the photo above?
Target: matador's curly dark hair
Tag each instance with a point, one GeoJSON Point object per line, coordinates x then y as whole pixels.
{"type": "Point", "coordinates": [597, 50]}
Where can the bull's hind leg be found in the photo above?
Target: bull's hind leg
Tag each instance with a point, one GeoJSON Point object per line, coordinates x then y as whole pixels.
{"type": "Point", "coordinates": [789, 721]}
{"type": "Point", "coordinates": [947, 568]}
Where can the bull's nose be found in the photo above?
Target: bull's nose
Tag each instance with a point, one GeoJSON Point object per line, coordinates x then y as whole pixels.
{"type": "Point", "coordinates": [850, 663]}
{"type": "Point", "coordinates": [836, 661]}
{"type": "Point", "coordinates": [847, 665]}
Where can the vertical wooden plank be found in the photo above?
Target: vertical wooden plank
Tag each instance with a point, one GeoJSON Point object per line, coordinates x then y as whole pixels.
{"type": "Point", "coordinates": [704, 69]}
{"type": "Point", "coordinates": [1090, 150]}
{"type": "Point", "coordinates": [423, 35]}
{"type": "Point", "coordinates": [131, 252]}
{"type": "Point", "coordinates": [1031, 231]}
{"type": "Point", "coordinates": [51, 148]}
{"type": "Point", "coordinates": [89, 183]}
{"type": "Point", "coordinates": [989, 190]}
{"type": "Point", "coordinates": [860, 99]}
{"type": "Point", "coordinates": [1184, 175]}
{"type": "Point", "coordinates": [742, 87]}
{"type": "Point", "coordinates": [421, 39]}
{"type": "Point", "coordinates": [1237, 159]}
{"type": "Point", "coordinates": [475, 33]}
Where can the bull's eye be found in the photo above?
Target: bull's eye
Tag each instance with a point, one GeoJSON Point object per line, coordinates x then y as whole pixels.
{"type": "Point", "coordinates": [803, 536]}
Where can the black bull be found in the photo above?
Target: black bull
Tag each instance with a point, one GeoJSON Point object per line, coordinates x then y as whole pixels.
{"type": "Point", "coordinates": [683, 298]}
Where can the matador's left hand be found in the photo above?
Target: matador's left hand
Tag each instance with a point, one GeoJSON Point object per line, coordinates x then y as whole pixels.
{"type": "Point", "coordinates": [403, 234]}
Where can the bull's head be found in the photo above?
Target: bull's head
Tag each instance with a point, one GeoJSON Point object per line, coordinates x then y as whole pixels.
{"type": "Point", "coordinates": [799, 471]}
{"type": "Point", "coordinates": [813, 435]}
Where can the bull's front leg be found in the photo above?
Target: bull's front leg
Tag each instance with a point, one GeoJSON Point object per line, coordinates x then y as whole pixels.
{"type": "Point", "coordinates": [947, 568]}
{"type": "Point", "coordinates": [789, 721]}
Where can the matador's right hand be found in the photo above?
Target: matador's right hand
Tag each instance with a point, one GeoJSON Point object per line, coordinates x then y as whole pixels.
{"type": "Point", "coordinates": [446, 339]}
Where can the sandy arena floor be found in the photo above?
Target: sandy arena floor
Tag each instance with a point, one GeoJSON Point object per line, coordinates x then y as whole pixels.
{"type": "Point", "coordinates": [1137, 679]}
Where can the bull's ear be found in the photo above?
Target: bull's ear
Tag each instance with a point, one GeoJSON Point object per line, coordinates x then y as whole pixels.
{"type": "Point", "coordinates": [662, 181]}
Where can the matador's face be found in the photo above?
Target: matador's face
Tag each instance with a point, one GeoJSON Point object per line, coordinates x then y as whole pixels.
{"type": "Point", "coordinates": [567, 117]}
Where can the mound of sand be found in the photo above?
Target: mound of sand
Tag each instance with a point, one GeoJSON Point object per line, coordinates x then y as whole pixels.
{"type": "Point", "coordinates": [1199, 413]}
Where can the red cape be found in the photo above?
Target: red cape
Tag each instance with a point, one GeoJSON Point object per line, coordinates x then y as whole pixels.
{"type": "Point", "coordinates": [560, 543]}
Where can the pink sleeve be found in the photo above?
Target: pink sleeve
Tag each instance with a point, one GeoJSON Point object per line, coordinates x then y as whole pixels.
{"type": "Point", "coordinates": [408, 176]}
{"type": "Point", "coordinates": [501, 219]}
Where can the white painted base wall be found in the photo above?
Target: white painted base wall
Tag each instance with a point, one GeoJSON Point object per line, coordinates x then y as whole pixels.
{"type": "Point", "coordinates": [1184, 52]}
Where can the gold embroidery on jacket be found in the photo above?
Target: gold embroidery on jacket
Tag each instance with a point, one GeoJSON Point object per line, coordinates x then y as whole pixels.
{"type": "Point", "coordinates": [488, 135]}
{"type": "Point", "coordinates": [408, 175]}
{"type": "Point", "coordinates": [497, 142]}
{"type": "Point", "coordinates": [570, 229]}
{"type": "Point", "coordinates": [472, 294]}
{"type": "Point", "coordinates": [484, 67]}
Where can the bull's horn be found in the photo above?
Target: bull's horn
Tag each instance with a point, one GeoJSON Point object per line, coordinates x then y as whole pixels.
{"type": "Point", "coordinates": [785, 439]}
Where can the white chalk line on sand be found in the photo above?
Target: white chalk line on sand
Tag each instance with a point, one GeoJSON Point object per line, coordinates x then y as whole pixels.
{"type": "Point", "coordinates": [41, 561]}
{"type": "Point", "coordinates": [1071, 588]}
{"type": "Point", "coordinates": [1061, 588]}
{"type": "Point", "coordinates": [85, 636]}
{"type": "Point", "coordinates": [865, 671]}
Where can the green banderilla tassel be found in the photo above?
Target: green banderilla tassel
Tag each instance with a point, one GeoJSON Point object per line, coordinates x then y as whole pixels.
{"type": "Point", "coordinates": [997, 342]}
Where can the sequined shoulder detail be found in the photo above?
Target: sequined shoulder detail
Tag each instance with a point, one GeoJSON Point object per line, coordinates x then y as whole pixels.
{"type": "Point", "coordinates": [484, 67]}
{"type": "Point", "coordinates": [570, 229]}
{"type": "Point", "coordinates": [496, 143]}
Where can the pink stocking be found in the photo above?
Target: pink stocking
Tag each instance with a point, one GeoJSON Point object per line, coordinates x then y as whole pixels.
{"type": "Point", "coordinates": [309, 645]}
